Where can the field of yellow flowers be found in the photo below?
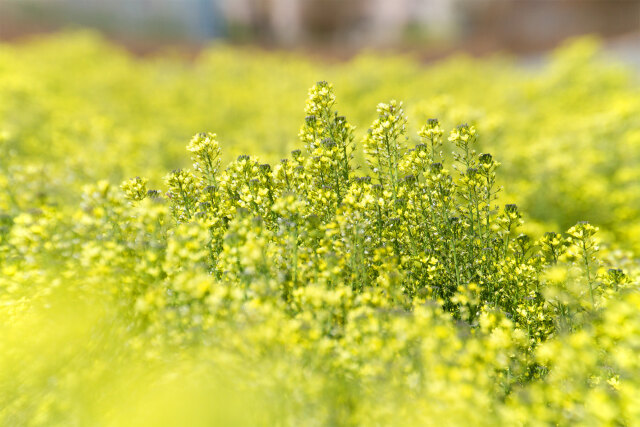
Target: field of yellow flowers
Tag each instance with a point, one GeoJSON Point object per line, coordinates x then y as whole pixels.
{"type": "Point", "coordinates": [255, 238]}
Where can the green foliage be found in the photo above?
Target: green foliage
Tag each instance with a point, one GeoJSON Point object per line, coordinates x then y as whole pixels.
{"type": "Point", "coordinates": [371, 278]}
{"type": "Point", "coordinates": [416, 230]}
{"type": "Point", "coordinates": [128, 116]}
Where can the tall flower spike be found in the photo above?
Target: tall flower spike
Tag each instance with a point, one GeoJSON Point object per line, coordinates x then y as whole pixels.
{"type": "Point", "coordinates": [463, 137]}
{"type": "Point", "coordinates": [205, 156]}
{"type": "Point", "coordinates": [182, 193]}
{"type": "Point", "coordinates": [432, 132]}
{"type": "Point", "coordinates": [321, 99]}
{"type": "Point", "coordinates": [383, 145]}
{"type": "Point", "coordinates": [318, 123]}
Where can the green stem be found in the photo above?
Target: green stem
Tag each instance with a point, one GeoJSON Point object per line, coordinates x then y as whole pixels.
{"type": "Point", "coordinates": [586, 262]}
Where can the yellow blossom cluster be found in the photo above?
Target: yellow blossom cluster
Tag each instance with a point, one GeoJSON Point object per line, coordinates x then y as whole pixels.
{"type": "Point", "coordinates": [313, 290]}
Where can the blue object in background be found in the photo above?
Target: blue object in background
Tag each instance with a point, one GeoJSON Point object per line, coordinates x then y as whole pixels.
{"type": "Point", "coordinates": [210, 22]}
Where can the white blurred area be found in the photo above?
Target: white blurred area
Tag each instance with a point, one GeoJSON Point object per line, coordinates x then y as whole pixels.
{"type": "Point", "coordinates": [347, 21]}
{"type": "Point", "coordinates": [508, 24]}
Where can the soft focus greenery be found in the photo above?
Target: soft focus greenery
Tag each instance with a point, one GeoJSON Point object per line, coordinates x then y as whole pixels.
{"type": "Point", "coordinates": [379, 275]}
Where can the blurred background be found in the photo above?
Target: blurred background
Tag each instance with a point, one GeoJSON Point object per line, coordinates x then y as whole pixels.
{"type": "Point", "coordinates": [540, 101]}
{"type": "Point", "coordinates": [434, 27]}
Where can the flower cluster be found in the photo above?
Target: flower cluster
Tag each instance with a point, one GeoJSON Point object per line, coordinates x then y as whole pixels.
{"type": "Point", "coordinates": [369, 271]}
{"type": "Point", "coordinates": [418, 231]}
{"type": "Point", "coordinates": [309, 291]}
{"type": "Point", "coordinates": [135, 189]}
